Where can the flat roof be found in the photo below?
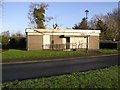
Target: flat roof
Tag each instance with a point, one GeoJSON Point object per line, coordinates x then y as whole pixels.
{"type": "Point", "coordinates": [62, 30]}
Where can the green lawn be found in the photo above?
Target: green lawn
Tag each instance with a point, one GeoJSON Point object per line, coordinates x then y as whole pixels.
{"type": "Point", "coordinates": [107, 51]}
{"type": "Point", "coordinates": [101, 78]}
{"type": "Point", "coordinates": [21, 54]}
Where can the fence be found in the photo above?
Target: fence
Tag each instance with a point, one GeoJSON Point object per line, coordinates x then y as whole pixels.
{"type": "Point", "coordinates": [64, 46]}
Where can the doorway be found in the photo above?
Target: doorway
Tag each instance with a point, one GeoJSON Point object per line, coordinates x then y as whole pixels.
{"type": "Point", "coordinates": [67, 42]}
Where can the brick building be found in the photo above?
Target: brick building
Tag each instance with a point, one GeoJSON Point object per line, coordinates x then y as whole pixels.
{"type": "Point", "coordinates": [40, 39]}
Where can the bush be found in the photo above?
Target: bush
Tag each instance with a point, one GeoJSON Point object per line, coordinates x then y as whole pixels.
{"type": "Point", "coordinates": [22, 43]}
{"type": "Point", "coordinates": [13, 42]}
{"type": "Point", "coordinates": [118, 46]}
{"type": "Point", "coordinates": [5, 42]}
{"type": "Point", "coordinates": [108, 45]}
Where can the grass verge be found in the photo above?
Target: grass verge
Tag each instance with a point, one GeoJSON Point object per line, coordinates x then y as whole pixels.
{"type": "Point", "coordinates": [101, 78]}
{"type": "Point", "coordinates": [21, 54]}
{"type": "Point", "coordinates": [107, 51]}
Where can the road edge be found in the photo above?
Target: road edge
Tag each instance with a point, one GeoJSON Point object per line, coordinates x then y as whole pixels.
{"type": "Point", "coordinates": [51, 60]}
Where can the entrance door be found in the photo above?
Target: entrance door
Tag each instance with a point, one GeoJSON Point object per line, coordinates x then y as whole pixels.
{"type": "Point", "coordinates": [68, 43]}
{"type": "Point", "coordinates": [46, 41]}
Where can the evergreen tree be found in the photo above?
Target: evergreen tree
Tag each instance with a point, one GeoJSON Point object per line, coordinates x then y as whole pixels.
{"type": "Point", "coordinates": [103, 27]}
{"type": "Point", "coordinates": [37, 17]}
{"type": "Point", "coordinates": [81, 25]}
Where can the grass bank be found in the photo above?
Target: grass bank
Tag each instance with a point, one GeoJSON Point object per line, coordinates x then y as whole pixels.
{"type": "Point", "coordinates": [101, 78]}
{"type": "Point", "coordinates": [21, 54]}
{"type": "Point", "coordinates": [107, 51]}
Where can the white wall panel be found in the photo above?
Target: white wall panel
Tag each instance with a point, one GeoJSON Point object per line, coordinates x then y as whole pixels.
{"type": "Point", "coordinates": [46, 41]}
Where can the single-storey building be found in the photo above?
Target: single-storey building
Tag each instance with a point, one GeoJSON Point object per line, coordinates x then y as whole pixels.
{"type": "Point", "coordinates": [57, 39]}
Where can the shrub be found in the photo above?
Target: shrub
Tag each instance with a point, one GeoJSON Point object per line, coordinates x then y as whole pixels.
{"type": "Point", "coordinates": [118, 46]}
{"type": "Point", "coordinates": [5, 42]}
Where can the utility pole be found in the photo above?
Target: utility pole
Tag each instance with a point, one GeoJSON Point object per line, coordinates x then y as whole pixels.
{"type": "Point", "coordinates": [54, 27]}
{"type": "Point", "coordinates": [87, 41]}
{"type": "Point", "coordinates": [87, 44]}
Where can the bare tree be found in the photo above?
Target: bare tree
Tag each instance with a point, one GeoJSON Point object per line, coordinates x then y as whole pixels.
{"type": "Point", "coordinates": [112, 20]}
{"type": "Point", "coordinates": [93, 22]}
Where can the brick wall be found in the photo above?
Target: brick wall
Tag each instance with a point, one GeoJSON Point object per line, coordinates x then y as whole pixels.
{"type": "Point", "coordinates": [56, 39]}
{"type": "Point", "coordinates": [34, 42]}
{"type": "Point", "coordinates": [94, 42]}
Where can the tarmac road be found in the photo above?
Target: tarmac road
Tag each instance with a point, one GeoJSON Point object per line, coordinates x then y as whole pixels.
{"type": "Point", "coordinates": [11, 72]}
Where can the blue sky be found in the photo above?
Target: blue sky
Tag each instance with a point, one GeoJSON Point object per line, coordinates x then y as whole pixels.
{"type": "Point", "coordinates": [15, 14]}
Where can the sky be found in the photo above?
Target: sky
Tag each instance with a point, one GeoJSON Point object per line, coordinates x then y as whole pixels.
{"type": "Point", "coordinates": [15, 14]}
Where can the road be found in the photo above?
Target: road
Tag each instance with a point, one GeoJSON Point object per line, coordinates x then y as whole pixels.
{"type": "Point", "coordinates": [45, 69]}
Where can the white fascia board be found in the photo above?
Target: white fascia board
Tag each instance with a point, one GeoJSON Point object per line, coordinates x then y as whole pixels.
{"type": "Point", "coordinates": [65, 30]}
{"type": "Point", "coordinates": [29, 30]}
{"type": "Point", "coordinates": [62, 31]}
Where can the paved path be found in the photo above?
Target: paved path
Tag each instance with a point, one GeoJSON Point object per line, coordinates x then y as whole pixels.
{"type": "Point", "coordinates": [11, 72]}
